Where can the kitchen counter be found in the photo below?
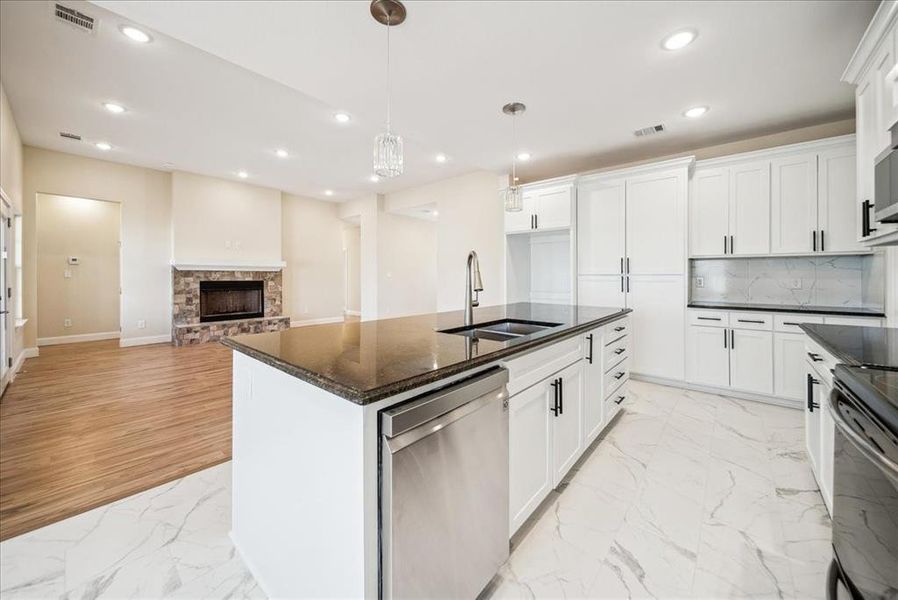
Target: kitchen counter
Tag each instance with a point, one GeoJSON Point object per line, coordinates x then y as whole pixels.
{"type": "Point", "coordinates": [857, 345]}
{"type": "Point", "coordinates": [365, 361]}
{"type": "Point", "coordinates": [846, 311]}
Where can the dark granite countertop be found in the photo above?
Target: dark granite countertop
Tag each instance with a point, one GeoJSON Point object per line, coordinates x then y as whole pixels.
{"type": "Point", "coordinates": [370, 360]}
{"type": "Point", "coordinates": [877, 389]}
{"type": "Point", "coordinates": [870, 346]}
{"type": "Point", "coordinates": [847, 311]}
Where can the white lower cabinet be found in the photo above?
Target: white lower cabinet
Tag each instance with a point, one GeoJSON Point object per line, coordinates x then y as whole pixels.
{"type": "Point", "coordinates": [709, 355]}
{"type": "Point", "coordinates": [820, 429]}
{"type": "Point", "coordinates": [593, 371]}
{"type": "Point", "coordinates": [722, 356]}
{"type": "Point", "coordinates": [567, 438]}
{"type": "Point", "coordinates": [789, 365]}
{"type": "Point", "coordinates": [812, 421]}
{"type": "Point", "coordinates": [529, 439]}
{"type": "Point", "coordinates": [751, 361]}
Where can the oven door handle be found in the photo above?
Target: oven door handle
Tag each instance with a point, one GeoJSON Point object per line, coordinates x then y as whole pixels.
{"type": "Point", "coordinates": [870, 453]}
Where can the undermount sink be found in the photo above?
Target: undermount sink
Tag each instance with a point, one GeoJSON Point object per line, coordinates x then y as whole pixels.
{"type": "Point", "coordinates": [501, 331]}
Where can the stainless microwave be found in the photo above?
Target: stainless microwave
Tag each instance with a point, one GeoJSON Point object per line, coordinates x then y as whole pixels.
{"type": "Point", "coordinates": [885, 191]}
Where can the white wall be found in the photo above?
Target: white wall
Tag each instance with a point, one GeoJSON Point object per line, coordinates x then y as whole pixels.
{"type": "Point", "coordinates": [89, 296]}
{"type": "Point", "coordinates": [11, 177]}
{"type": "Point", "coordinates": [352, 248]}
{"type": "Point", "coordinates": [221, 221]}
{"type": "Point", "coordinates": [406, 266]}
{"type": "Point", "coordinates": [312, 241]}
{"type": "Point", "coordinates": [145, 198]}
{"type": "Point", "coordinates": [365, 211]}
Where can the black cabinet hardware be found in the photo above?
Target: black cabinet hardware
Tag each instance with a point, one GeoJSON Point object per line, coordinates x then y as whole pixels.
{"type": "Point", "coordinates": [536, 221]}
{"type": "Point", "coordinates": [732, 248]}
{"type": "Point", "coordinates": [866, 208]}
{"type": "Point", "coordinates": [621, 283]}
{"type": "Point", "coordinates": [732, 339]}
{"type": "Point", "coordinates": [724, 244]}
{"type": "Point", "coordinates": [554, 408]}
{"type": "Point", "coordinates": [619, 374]}
{"type": "Point", "coordinates": [621, 265]}
{"type": "Point", "coordinates": [791, 323]}
{"type": "Point", "coordinates": [561, 395]}
{"type": "Point", "coordinates": [619, 328]}
{"type": "Point", "coordinates": [708, 318]}
{"type": "Point", "coordinates": [628, 265]}
{"type": "Point", "coordinates": [822, 241]}
{"type": "Point", "coordinates": [619, 350]}
{"type": "Point", "coordinates": [814, 356]}
{"type": "Point", "coordinates": [620, 399]}
{"type": "Point", "coordinates": [811, 383]}
{"type": "Point", "coordinates": [628, 284]}
{"type": "Point", "coordinates": [750, 321]}
{"type": "Point", "coordinates": [725, 338]}
{"type": "Point", "coordinates": [589, 357]}
{"type": "Point", "coordinates": [814, 240]}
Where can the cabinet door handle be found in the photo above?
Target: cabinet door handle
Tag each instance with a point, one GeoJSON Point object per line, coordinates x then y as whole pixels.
{"type": "Point", "coordinates": [814, 356]}
{"type": "Point", "coordinates": [621, 265]}
{"type": "Point", "coordinates": [750, 321]}
{"type": "Point", "coordinates": [725, 339]}
{"type": "Point", "coordinates": [620, 350]}
{"type": "Point", "coordinates": [628, 265]}
{"type": "Point", "coordinates": [619, 374]}
{"type": "Point", "coordinates": [732, 250]}
{"type": "Point", "coordinates": [724, 244]}
{"type": "Point", "coordinates": [814, 240]}
{"type": "Point", "coordinates": [811, 383]}
{"type": "Point", "coordinates": [620, 399]}
{"type": "Point", "coordinates": [621, 283]}
{"type": "Point", "coordinates": [589, 357]}
{"type": "Point", "coordinates": [554, 408]}
{"type": "Point", "coordinates": [732, 339]}
{"type": "Point", "coordinates": [628, 284]}
{"type": "Point", "coordinates": [536, 220]}
{"type": "Point", "coordinates": [561, 395]}
{"type": "Point", "coordinates": [708, 318]}
{"type": "Point", "coordinates": [791, 323]}
{"type": "Point", "coordinates": [822, 241]}
{"type": "Point", "coordinates": [619, 328]}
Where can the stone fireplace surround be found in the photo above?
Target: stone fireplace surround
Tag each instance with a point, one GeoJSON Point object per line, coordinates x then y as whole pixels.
{"type": "Point", "coordinates": [186, 325]}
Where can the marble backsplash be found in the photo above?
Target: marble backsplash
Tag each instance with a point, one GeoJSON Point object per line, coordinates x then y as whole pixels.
{"type": "Point", "coordinates": [851, 281]}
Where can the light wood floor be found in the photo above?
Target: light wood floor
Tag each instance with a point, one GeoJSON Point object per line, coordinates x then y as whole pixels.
{"type": "Point", "coordinates": [87, 424]}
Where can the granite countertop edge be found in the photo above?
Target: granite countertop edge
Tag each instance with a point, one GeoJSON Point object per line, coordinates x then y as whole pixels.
{"type": "Point", "coordinates": [810, 310]}
{"type": "Point", "coordinates": [361, 397]}
{"type": "Point", "coordinates": [842, 357]}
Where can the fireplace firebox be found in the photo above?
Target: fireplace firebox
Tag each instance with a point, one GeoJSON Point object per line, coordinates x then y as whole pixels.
{"type": "Point", "coordinates": [227, 300]}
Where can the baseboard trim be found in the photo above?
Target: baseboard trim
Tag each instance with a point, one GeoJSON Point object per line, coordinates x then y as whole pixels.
{"type": "Point", "coordinates": [353, 313]}
{"type": "Point", "coordinates": [315, 321]}
{"type": "Point", "coordinates": [20, 360]}
{"type": "Point", "coordinates": [79, 337]}
{"type": "Point", "coordinates": [785, 402]}
{"type": "Point", "coordinates": [143, 341]}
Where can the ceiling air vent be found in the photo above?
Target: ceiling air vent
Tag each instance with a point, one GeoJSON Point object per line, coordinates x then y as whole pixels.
{"type": "Point", "coordinates": [649, 130]}
{"type": "Point", "coordinates": [76, 19]}
{"type": "Point", "coordinates": [71, 136]}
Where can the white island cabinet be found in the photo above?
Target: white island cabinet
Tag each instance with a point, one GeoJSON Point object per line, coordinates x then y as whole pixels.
{"type": "Point", "coordinates": [314, 445]}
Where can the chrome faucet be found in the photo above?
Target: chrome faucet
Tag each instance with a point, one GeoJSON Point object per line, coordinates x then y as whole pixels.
{"type": "Point", "coordinates": [473, 287]}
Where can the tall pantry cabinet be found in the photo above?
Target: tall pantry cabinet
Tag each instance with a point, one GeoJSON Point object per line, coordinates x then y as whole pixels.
{"type": "Point", "coordinates": [631, 251]}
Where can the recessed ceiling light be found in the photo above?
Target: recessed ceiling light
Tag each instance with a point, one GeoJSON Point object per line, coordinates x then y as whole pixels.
{"type": "Point", "coordinates": [441, 158]}
{"type": "Point", "coordinates": [374, 179]}
{"type": "Point", "coordinates": [328, 192]}
{"type": "Point", "coordinates": [679, 39]}
{"type": "Point", "coordinates": [104, 146]}
{"type": "Point", "coordinates": [114, 108]}
{"type": "Point", "coordinates": [342, 117]}
{"type": "Point", "coordinates": [524, 156]}
{"type": "Point", "coordinates": [695, 112]}
{"type": "Point", "coordinates": [135, 34]}
{"type": "Point", "coordinates": [242, 174]}
{"type": "Point", "coordinates": [281, 153]}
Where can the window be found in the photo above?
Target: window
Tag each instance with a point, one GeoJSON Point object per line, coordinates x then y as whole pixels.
{"type": "Point", "coordinates": [18, 258]}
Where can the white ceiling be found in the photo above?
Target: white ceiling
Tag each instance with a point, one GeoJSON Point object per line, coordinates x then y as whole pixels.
{"type": "Point", "coordinates": [224, 84]}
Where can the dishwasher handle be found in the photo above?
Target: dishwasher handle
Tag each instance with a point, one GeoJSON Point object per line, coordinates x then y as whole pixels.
{"type": "Point", "coordinates": [424, 409]}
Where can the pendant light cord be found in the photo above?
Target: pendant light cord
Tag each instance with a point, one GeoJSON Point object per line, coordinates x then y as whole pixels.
{"type": "Point", "coordinates": [389, 83]}
{"type": "Point", "coordinates": [514, 142]}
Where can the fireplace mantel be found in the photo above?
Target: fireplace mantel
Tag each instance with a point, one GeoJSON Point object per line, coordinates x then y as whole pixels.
{"type": "Point", "coordinates": [230, 266]}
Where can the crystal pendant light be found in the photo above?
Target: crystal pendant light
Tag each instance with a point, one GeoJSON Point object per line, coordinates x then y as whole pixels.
{"type": "Point", "coordinates": [512, 196]}
{"type": "Point", "coordinates": [388, 159]}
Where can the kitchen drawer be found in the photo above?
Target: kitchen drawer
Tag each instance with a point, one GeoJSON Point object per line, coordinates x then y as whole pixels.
{"type": "Point", "coordinates": [709, 318]}
{"type": "Point", "coordinates": [614, 402]}
{"type": "Point", "coordinates": [616, 352]}
{"type": "Point", "coordinates": [747, 320]}
{"type": "Point", "coordinates": [616, 377]}
{"type": "Point", "coordinates": [789, 323]}
{"type": "Point", "coordinates": [820, 360]}
{"type": "Point", "coordinates": [524, 371]}
{"type": "Point", "coordinates": [616, 330]}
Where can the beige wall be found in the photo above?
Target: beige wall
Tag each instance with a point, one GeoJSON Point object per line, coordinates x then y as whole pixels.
{"type": "Point", "coordinates": [313, 250]}
{"type": "Point", "coordinates": [10, 154]}
{"type": "Point", "coordinates": [145, 199]}
{"type": "Point", "coordinates": [366, 211]}
{"type": "Point", "coordinates": [406, 265]}
{"type": "Point", "coordinates": [352, 248]}
{"type": "Point", "coordinates": [89, 297]}
{"type": "Point", "coordinates": [221, 221]}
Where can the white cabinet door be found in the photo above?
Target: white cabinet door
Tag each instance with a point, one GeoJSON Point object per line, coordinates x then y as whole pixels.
{"type": "Point", "coordinates": [789, 361]}
{"type": "Point", "coordinates": [709, 355]}
{"type": "Point", "coordinates": [658, 319]}
{"type": "Point", "coordinates": [521, 221]}
{"type": "Point", "coordinates": [812, 420]}
{"type": "Point", "coordinates": [656, 237]}
{"type": "Point", "coordinates": [553, 208]}
{"type": "Point", "coordinates": [567, 434]}
{"type": "Point", "coordinates": [593, 398]}
{"type": "Point", "coordinates": [865, 125]}
{"type": "Point", "coordinates": [600, 227]}
{"type": "Point", "coordinates": [793, 203]}
{"type": "Point", "coordinates": [751, 361]}
{"type": "Point", "coordinates": [709, 212]}
{"type": "Point", "coordinates": [836, 204]}
{"type": "Point", "coordinates": [529, 438]}
{"type": "Point", "coordinates": [827, 445]}
{"type": "Point", "coordinates": [601, 290]}
{"type": "Point", "coordinates": [750, 208]}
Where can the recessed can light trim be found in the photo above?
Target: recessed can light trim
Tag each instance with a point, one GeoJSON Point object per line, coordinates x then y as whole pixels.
{"type": "Point", "coordinates": [114, 108]}
{"type": "Point", "coordinates": [373, 178]}
{"type": "Point", "coordinates": [523, 156]}
{"type": "Point", "coordinates": [441, 158]}
{"type": "Point", "coordinates": [104, 146]}
{"type": "Point", "coordinates": [679, 39]}
{"type": "Point", "coordinates": [136, 35]}
{"type": "Point", "coordinates": [328, 192]}
{"type": "Point", "coordinates": [342, 117]}
{"type": "Point", "coordinates": [281, 153]}
{"type": "Point", "coordinates": [695, 112]}
{"type": "Point", "coordinates": [242, 174]}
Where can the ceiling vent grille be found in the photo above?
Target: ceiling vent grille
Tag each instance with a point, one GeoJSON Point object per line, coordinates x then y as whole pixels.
{"type": "Point", "coordinates": [76, 19]}
{"type": "Point", "coordinates": [649, 130]}
{"type": "Point", "coordinates": [71, 136]}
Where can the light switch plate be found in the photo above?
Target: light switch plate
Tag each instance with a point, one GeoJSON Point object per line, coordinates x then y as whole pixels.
{"type": "Point", "coordinates": [699, 282]}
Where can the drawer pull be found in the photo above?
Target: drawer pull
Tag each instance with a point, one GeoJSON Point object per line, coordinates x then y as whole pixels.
{"type": "Point", "coordinates": [620, 399]}
{"type": "Point", "coordinates": [750, 321]}
{"type": "Point", "coordinates": [619, 374]}
{"type": "Point", "coordinates": [814, 356]}
{"type": "Point", "coordinates": [620, 350]}
{"type": "Point", "coordinates": [791, 323]}
{"type": "Point", "coordinates": [621, 328]}
{"type": "Point", "coordinates": [708, 318]}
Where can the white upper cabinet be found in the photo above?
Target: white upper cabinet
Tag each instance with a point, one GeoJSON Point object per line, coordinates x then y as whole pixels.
{"type": "Point", "coordinates": [794, 204]}
{"type": "Point", "coordinates": [655, 224]}
{"type": "Point", "coordinates": [710, 212]}
{"type": "Point", "coordinates": [836, 207]}
{"type": "Point", "coordinates": [600, 227]}
{"type": "Point", "coordinates": [545, 208]}
{"type": "Point", "coordinates": [522, 220]}
{"type": "Point", "coordinates": [750, 208]}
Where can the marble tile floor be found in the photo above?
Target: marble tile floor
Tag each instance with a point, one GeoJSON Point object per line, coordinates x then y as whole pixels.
{"type": "Point", "coordinates": [688, 495]}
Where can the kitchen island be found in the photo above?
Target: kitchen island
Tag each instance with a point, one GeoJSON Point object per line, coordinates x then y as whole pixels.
{"type": "Point", "coordinates": [307, 404]}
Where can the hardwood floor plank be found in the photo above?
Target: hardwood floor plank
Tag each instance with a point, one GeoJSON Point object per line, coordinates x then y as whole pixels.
{"type": "Point", "coordinates": [87, 424]}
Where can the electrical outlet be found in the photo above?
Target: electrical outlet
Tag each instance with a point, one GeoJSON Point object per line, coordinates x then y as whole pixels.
{"type": "Point", "coordinates": [67, 273]}
{"type": "Point", "coordinates": [67, 323]}
{"type": "Point", "coordinates": [141, 324]}
{"type": "Point", "coordinates": [699, 282]}
{"type": "Point", "coordinates": [796, 284]}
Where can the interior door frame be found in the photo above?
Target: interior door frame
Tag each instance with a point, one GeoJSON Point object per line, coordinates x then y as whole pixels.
{"type": "Point", "coordinates": [7, 326]}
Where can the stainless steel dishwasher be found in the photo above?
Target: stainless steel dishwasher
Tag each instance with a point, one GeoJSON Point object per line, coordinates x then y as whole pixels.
{"type": "Point", "coordinates": [444, 490]}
